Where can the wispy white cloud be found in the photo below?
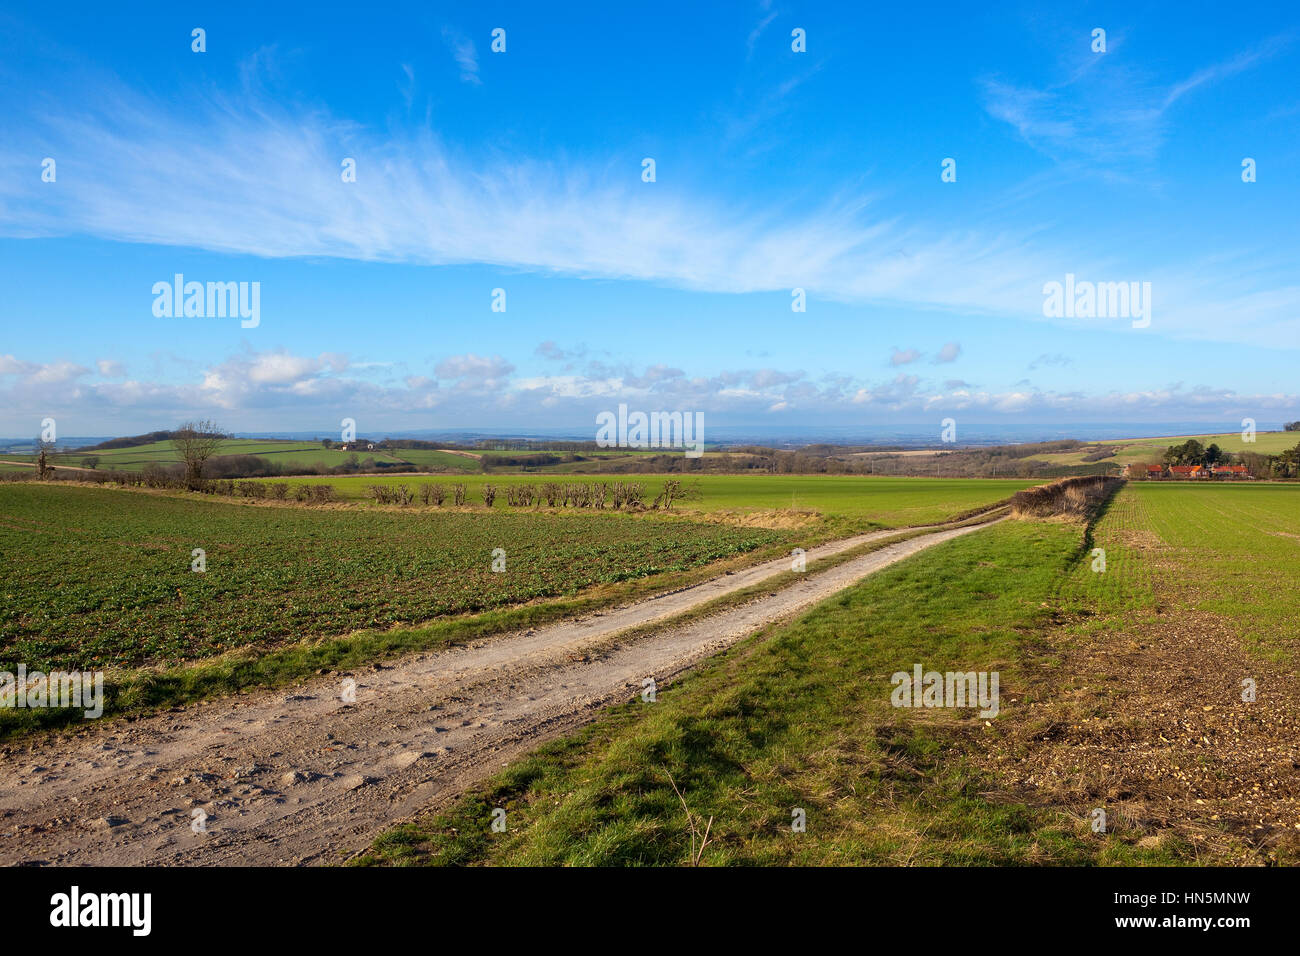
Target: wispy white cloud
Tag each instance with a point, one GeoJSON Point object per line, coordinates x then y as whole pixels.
{"type": "Point", "coordinates": [1219, 71]}
{"type": "Point", "coordinates": [1104, 123]}
{"type": "Point", "coordinates": [463, 52]}
{"type": "Point", "coordinates": [1047, 360]}
{"type": "Point", "coordinates": [256, 180]}
{"type": "Point", "coordinates": [1105, 113]}
{"type": "Point", "coordinates": [757, 32]}
{"type": "Point", "coordinates": [407, 89]}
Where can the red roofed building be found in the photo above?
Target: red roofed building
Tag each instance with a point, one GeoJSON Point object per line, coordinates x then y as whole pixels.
{"type": "Point", "coordinates": [1231, 471]}
{"type": "Point", "coordinates": [1136, 470]}
{"type": "Point", "coordinates": [1187, 471]}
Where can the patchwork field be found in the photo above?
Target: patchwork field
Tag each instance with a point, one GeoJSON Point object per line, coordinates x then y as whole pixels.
{"type": "Point", "coordinates": [1121, 691]}
{"type": "Point", "coordinates": [289, 453]}
{"type": "Point", "coordinates": [300, 454]}
{"type": "Point", "coordinates": [1151, 449]}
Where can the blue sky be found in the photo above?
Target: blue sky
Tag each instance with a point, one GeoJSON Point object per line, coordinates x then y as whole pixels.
{"type": "Point", "coordinates": [522, 170]}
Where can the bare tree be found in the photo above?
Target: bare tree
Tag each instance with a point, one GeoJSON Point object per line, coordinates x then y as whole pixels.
{"type": "Point", "coordinates": [672, 487]}
{"type": "Point", "coordinates": [196, 442]}
{"type": "Point", "coordinates": [44, 449]}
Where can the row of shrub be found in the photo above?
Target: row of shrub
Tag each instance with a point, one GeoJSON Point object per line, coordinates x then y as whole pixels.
{"type": "Point", "coordinates": [253, 466]}
{"type": "Point", "coordinates": [1100, 454]}
{"type": "Point", "coordinates": [628, 496]}
{"type": "Point", "coordinates": [430, 494]}
{"type": "Point", "coordinates": [149, 478]}
{"type": "Point", "coordinates": [597, 495]}
{"type": "Point", "coordinates": [154, 477]}
{"type": "Point", "coordinates": [273, 490]}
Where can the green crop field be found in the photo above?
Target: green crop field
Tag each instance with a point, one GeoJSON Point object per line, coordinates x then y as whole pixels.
{"type": "Point", "coordinates": [291, 454]}
{"type": "Point", "coordinates": [305, 453]}
{"type": "Point", "coordinates": [612, 453]}
{"type": "Point", "coordinates": [96, 577]}
{"type": "Point", "coordinates": [299, 454]}
{"type": "Point", "coordinates": [136, 457]}
{"type": "Point", "coordinates": [431, 457]}
{"type": "Point", "coordinates": [1227, 550]}
{"type": "Point", "coordinates": [875, 502]}
{"type": "Point", "coordinates": [101, 577]}
{"type": "Point", "coordinates": [1151, 449]}
{"type": "Point", "coordinates": [1120, 689]}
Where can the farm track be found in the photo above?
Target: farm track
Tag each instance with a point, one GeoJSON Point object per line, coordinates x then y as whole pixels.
{"type": "Point", "coordinates": [300, 777]}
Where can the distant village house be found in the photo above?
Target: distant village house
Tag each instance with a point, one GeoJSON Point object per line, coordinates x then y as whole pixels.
{"type": "Point", "coordinates": [1185, 472]}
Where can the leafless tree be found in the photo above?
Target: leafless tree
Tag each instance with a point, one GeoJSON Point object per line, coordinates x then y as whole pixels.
{"type": "Point", "coordinates": [672, 488]}
{"type": "Point", "coordinates": [196, 442]}
{"type": "Point", "coordinates": [43, 451]}
{"type": "Point", "coordinates": [550, 490]}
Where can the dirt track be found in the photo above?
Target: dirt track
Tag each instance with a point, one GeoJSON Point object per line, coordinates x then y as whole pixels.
{"type": "Point", "coordinates": [299, 776]}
